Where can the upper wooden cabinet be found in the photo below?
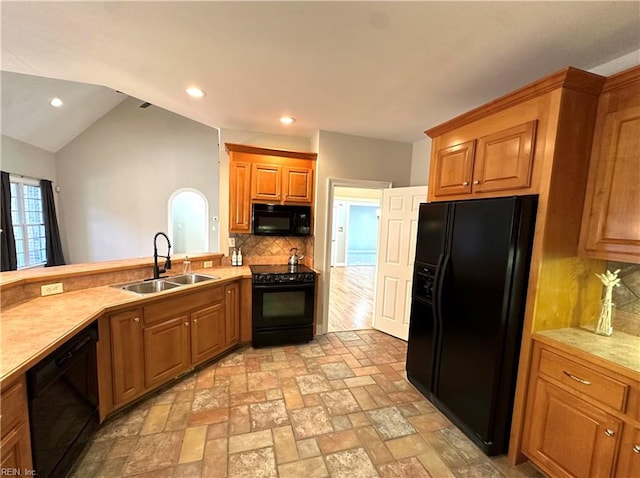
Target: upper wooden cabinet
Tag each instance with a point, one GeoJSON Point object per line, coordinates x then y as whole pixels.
{"type": "Point", "coordinates": [266, 176]}
{"type": "Point", "coordinates": [266, 182]}
{"type": "Point", "coordinates": [240, 192]}
{"type": "Point", "coordinates": [611, 221]}
{"type": "Point", "coordinates": [509, 146]}
{"type": "Point", "coordinates": [500, 161]}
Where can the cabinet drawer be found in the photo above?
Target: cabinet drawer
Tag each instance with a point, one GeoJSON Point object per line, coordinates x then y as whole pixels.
{"type": "Point", "coordinates": [585, 380]}
{"type": "Point", "coordinates": [181, 305]}
{"type": "Point", "coordinates": [14, 399]}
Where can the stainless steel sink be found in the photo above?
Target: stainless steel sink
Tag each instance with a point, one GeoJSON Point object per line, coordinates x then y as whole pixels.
{"type": "Point", "coordinates": [151, 286]}
{"type": "Point", "coordinates": [190, 279]}
{"type": "Point", "coordinates": [158, 285]}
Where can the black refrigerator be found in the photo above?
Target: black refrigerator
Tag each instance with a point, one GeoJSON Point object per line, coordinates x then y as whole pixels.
{"type": "Point", "coordinates": [469, 288]}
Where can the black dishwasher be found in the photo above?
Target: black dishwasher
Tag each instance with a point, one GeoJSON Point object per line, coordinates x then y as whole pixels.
{"type": "Point", "coordinates": [63, 403]}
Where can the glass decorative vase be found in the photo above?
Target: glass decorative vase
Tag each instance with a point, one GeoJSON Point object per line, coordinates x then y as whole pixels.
{"type": "Point", "coordinates": [605, 320]}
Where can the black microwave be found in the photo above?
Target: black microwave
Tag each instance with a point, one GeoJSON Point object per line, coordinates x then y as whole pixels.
{"type": "Point", "coordinates": [277, 220]}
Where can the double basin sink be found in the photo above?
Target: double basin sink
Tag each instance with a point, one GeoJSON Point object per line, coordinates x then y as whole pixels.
{"type": "Point", "coordinates": [158, 285]}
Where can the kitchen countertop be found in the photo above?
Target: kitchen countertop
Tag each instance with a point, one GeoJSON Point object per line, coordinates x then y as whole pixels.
{"type": "Point", "coordinates": [30, 330]}
{"type": "Point", "coordinates": [620, 349]}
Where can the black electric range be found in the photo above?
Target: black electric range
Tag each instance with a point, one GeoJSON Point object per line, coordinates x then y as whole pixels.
{"type": "Point", "coordinates": [283, 304]}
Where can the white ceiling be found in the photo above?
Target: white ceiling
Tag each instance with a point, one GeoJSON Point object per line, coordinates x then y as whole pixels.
{"type": "Point", "coordinates": [378, 69]}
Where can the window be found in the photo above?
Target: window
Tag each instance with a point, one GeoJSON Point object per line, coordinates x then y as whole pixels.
{"type": "Point", "coordinates": [28, 223]}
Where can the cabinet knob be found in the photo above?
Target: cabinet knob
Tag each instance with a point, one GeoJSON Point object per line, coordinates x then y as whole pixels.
{"type": "Point", "coordinates": [195, 321]}
{"type": "Point", "coordinates": [636, 449]}
{"type": "Point", "coordinates": [186, 324]}
{"type": "Point", "coordinates": [136, 319]}
{"type": "Point", "coordinates": [476, 182]}
{"type": "Point", "coordinates": [465, 183]}
{"type": "Point", "coordinates": [228, 292]}
{"type": "Point", "coordinates": [609, 432]}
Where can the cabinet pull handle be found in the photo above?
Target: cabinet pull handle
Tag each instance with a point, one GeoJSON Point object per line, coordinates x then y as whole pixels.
{"type": "Point", "coordinates": [636, 449]}
{"type": "Point", "coordinates": [609, 432]}
{"type": "Point", "coordinates": [465, 183]}
{"type": "Point", "coordinates": [186, 324]}
{"type": "Point", "coordinates": [136, 319]}
{"type": "Point", "coordinates": [476, 182]}
{"type": "Point", "coordinates": [577, 379]}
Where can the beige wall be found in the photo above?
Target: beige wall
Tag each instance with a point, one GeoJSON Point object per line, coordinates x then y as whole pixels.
{"type": "Point", "coordinates": [420, 160]}
{"type": "Point", "coordinates": [23, 159]}
{"type": "Point", "coordinates": [117, 176]}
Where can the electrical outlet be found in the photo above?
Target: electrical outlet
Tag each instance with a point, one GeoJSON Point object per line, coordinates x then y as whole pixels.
{"type": "Point", "coordinates": [51, 289]}
{"type": "Point", "coordinates": [232, 242]}
{"type": "Point", "coordinates": [208, 264]}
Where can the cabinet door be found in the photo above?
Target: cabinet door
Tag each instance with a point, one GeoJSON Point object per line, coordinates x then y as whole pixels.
{"type": "Point", "coordinates": [611, 226]}
{"type": "Point", "coordinates": [127, 368]}
{"type": "Point", "coordinates": [15, 446]}
{"type": "Point", "coordinates": [207, 333]}
{"type": "Point", "coordinates": [266, 180]}
{"type": "Point", "coordinates": [232, 313]}
{"type": "Point", "coordinates": [569, 437]}
{"type": "Point", "coordinates": [16, 452]}
{"type": "Point", "coordinates": [453, 169]}
{"type": "Point", "coordinates": [298, 184]}
{"type": "Point", "coordinates": [239, 197]}
{"type": "Point", "coordinates": [504, 160]}
{"type": "Point", "coordinates": [166, 350]}
{"type": "Point", "coordinates": [629, 460]}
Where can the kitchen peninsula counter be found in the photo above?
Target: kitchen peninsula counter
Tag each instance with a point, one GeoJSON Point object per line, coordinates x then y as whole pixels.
{"type": "Point", "coordinates": [622, 351]}
{"type": "Point", "coordinates": [31, 329]}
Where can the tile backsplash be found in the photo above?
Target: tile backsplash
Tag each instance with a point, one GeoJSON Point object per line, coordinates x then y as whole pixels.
{"type": "Point", "coordinates": [626, 297]}
{"type": "Point", "coordinates": [273, 249]}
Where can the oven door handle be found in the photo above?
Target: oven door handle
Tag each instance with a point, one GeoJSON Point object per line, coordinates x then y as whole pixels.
{"type": "Point", "coordinates": [284, 285]}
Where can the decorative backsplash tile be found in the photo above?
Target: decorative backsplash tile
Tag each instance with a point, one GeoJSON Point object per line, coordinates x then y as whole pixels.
{"type": "Point", "coordinates": [626, 297]}
{"type": "Point", "coordinates": [273, 249]}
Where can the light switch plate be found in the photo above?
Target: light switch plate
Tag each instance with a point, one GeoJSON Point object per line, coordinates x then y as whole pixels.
{"type": "Point", "coordinates": [51, 289]}
{"type": "Point", "coordinates": [208, 264]}
{"type": "Point", "coordinates": [232, 242]}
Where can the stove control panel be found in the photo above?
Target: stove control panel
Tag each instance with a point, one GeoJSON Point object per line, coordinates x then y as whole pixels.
{"type": "Point", "coordinates": [285, 278]}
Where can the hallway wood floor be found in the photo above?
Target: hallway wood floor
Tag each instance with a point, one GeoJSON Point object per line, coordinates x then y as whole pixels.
{"type": "Point", "coordinates": [351, 298]}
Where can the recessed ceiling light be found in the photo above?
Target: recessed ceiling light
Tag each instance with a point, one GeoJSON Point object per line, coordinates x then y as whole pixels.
{"type": "Point", "coordinates": [287, 120]}
{"type": "Point", "coordinates": [195, 92]}
{"type": "Point", "coordinates": [56, 102]}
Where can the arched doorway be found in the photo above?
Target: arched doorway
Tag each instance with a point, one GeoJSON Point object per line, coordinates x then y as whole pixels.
{"type": "Point", "coordinates": [188, 221]}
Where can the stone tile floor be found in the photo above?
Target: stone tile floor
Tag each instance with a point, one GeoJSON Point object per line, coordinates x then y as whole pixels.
{"type": "Point", "coordinates": [337, 407]}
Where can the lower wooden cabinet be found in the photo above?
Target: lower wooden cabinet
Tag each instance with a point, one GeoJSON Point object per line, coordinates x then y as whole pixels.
{"type": "Point", "coordinates": [629, 460]}
{"type": "Point", "coordinates": [232, 313]}
{"type": "Point", "coordinates": [581, 417]}
{"type": "Point", "coordinates": [127, 355]}
{"type": "Point", "coordinates": [570, 437]}
{"type": "Point", "coordinates": [15, 444]}
{"type": "Point", "coordinates": [166, 350]}
{"type": "Point", "coordinates": [149, 346]}
{"type": "Point", "coordinates": [207, 333]}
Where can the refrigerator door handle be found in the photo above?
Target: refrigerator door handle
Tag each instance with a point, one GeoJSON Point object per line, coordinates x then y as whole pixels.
{"type": "Point", "coordinates": [442, 272]}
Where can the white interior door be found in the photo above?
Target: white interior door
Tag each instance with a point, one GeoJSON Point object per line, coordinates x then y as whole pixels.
{"type": "Point", "coordinates": [396, 251]}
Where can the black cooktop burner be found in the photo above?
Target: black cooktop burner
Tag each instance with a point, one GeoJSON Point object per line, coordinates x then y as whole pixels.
{"type": "Point", "coordinates": [279, 273]}
{"type": "Point", "coordinates": [278, 269]}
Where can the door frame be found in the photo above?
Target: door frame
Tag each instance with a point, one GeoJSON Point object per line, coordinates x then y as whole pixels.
{"type": "Point", "coordinates": [333, 183]}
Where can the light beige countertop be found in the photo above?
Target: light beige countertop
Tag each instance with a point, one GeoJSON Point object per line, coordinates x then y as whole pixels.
{"type": "Point", "coordinates": [620, 349]}
{"type": "Point", "coordinates": [30, 330]}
